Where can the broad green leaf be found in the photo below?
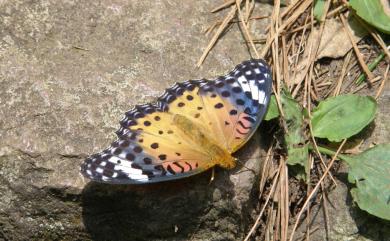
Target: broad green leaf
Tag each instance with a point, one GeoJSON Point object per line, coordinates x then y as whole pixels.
{"type": "Point", "coordinates": [297, 154]}
{"type": "Point", "coordinates": [273, 110]}
{"type": "Point", "coordinates": [294, 138]}
{"type": "Point", "coordinates": [370, 172]}
{"type": "Point", "coordinates": [375, 12]}
{"type": "Point", "coordinates": [299, 161]}
{"type": "Point", "coordinates": [319, 9]}
{"type": "Point", "coordinates": [342, 116]}
{"type": "Point", "coordinates": [294, 120]}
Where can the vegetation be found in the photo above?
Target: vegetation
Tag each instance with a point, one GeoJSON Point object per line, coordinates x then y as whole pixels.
{"type": "Point", "coordinates": [319, 110]}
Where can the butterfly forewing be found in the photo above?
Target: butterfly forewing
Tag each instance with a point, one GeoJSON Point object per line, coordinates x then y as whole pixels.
{"type": "Point", "coordinates": [152, 146]}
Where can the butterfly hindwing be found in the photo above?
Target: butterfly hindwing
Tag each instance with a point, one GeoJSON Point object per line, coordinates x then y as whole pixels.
{"type": "Point", "coordinates": [172, 137]}
{"type": "Point", "coordinates": [149, 149]}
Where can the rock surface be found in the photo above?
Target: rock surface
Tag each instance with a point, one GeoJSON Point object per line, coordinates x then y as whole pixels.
{"type": "Point", "coordinates": [68, 71]}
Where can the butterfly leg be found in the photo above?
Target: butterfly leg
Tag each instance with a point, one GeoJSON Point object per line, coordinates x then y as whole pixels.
{"type": "Point", "coordinates": [244, 166]}
{"type": "Point", "coordinates": [212, 175]}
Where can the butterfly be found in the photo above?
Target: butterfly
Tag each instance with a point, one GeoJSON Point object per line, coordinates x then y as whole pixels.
{"type": "Point", "coordinates": [192, 127]}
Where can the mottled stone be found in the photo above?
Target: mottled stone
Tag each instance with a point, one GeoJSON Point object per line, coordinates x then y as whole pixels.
{"type": "Point", "coordinates": [68, 72]}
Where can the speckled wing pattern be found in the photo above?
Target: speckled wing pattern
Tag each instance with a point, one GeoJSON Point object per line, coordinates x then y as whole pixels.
{"type": "Point", "coordinates": [189, 129]}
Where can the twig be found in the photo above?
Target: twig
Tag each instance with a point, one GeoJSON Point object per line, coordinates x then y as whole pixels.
{"type": "Point", "coordinates": [308, 208]}
{"type": "Point", "coordinates": [222, 6]}
{"type": "Point", "coordinates": [284, 207]}
{"type": "Point", "coordinates": [265, 168]}
{"type": "Point", "coordinates": [311, 232]}
{"type": "Point", "coordinates": [275, 45]}
{"type": "Point", "coordinates": [376, 36]}
{"type": "Point", "coordinates": [246, 10]}
{"type": "Point", "coordinates": [221, 28]}
{"type": "Point", "coordinates": [371, 66]}
{"type": "Point", "coordinates": [265, 204]}
{"type": "Point", "coordinates": [300, 47]}
{"type": "Point", "coordinates": [376, 79]}
{"type": "Point", "coordinates": [315, 189]}
{"type": "Point", "coordinates": [211, 28]}
{"type": "Point", "coordinates": [258, 17]}
{"type": "Point", "coordinates": [304, 5]}
{"type": "Point", "coordinates": [370, 76]}
{"type": "Point", "coordinates": [325, 208]}
{"type": "Point", "coordinates": [317, 150]}
{"type": "Point", "coordinates": [313, 54]}
{"type": "Point", "coordinates": [385, 77]}
{"type": "Point", "coordinates": [286, 75]}
{"type": "Point", "coordinates": [343, 72]}
{"type": "Point", "coordinates": [248, 35]}
{"type": "Point", "coordinates": [335, 11]}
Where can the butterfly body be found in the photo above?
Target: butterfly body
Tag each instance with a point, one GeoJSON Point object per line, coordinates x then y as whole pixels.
{"type": "Point", "coordinates": [192, 127]}
{"type": "Point", "coordinates": [218, 156]}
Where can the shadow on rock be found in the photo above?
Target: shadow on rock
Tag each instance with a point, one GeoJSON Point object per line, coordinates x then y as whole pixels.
{"type": "Point", "coordinates": [147, 212]}
{"type": "Point", "coordinates": [189, 208]}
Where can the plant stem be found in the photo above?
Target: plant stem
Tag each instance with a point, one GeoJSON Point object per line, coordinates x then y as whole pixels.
{"type": "Point", "coordinates": [371, 67]}
{"type": "Point", "coordinates": [329, 152]}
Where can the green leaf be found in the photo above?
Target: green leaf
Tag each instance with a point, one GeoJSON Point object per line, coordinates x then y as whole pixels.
{"type": "Point", "coordinates": [319, 9]}
{"type": "Point", "coordinates": [294, 138]}
{"type": "Point", "coordinates": [375, 12]}
{"type": "Point", "coordinates": [342, 116]}
{"type": "Point", "coordinates": [370, 172]}
{"type": "Point", "coordinates": [297, 154]}
{"type": "Point", "coordinates": [299, 161]}
{"type": "Point", "coordinates": [273, 110]}
{"type": "Point", "coordinates": [294, 120]}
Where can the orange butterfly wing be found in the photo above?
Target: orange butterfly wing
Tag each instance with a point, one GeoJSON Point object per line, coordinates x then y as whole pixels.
{"type": "Point", "coordinates": [193, 126]}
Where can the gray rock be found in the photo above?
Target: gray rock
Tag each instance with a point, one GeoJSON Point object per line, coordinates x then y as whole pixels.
{"type": "Point", "coordinates": [68, 72]}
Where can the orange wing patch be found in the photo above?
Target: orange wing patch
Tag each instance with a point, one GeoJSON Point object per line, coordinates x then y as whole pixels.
{"type": "Point", "coordinates": [193, 126]}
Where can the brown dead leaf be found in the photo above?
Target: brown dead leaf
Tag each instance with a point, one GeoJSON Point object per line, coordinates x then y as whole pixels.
{"type": "Point", "coordinates": [334, 43]}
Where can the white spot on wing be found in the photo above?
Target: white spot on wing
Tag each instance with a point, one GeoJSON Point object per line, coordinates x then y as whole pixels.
{"type": "Point", "coordinates": [254, 90]}
{"type": "Point", "coordinates": [125, 167]}
{"type": "Point", "coordinates": [257, 71]}
{"type": "Point", "coordinates": [262, 97]}
{"type": "Point", "coordinates": [241, 80]}
{"type": "Point", "coordinates": [114, 159]}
